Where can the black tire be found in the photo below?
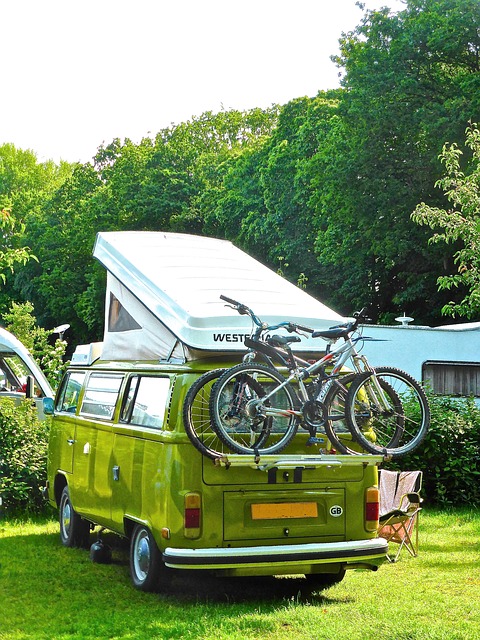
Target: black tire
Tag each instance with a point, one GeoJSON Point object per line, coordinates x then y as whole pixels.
{"type": "Point", "coordinates": [74, 530]}
{"type": "Point", "coordinates": [321, 581]}
{"type": "Point", "coordinates": [147, 570]}
{"type": "Point", "coordinates": [395, 432]}
{"type": "Point", "coordinates": [196, 416]}
{"type": "Point", "coordinates": [240, 427]}
{"type": "Point", "coordinates": [337, 427]}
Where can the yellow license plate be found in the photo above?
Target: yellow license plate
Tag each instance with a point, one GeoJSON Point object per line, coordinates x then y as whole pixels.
{"type": "Point", "coordinates": [272, 511]}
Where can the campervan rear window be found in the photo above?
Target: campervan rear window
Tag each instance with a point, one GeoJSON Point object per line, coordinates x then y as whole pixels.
{"type": "Point", "coordinates": [101, 395]}
{"type": "Point", "coordinates": [146, 401]}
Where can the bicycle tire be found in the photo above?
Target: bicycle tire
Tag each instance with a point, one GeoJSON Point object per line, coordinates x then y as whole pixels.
{"type": "Point", "coordinates": [196, 416]}
{"type": "Point", "coordinates": [362, 407]}
{"type": "Point", "coordinates": [244, 385]}
{"type": "Point", "coordinates": [337, 427]}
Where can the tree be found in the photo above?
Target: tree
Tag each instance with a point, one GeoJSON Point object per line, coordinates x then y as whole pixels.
{"type": "Point", "coordinates": [411, 81]}
{"type": "Point", "coordinates": [167, 184]}
{"type": "Point", "coordinates": [11, 251]}
{"type": "Point", "coordinates": [460, 225]}
{"type": "Point", "coordinates": [263, 203]}
{"type": "Point", "coordinates": [24, 185]}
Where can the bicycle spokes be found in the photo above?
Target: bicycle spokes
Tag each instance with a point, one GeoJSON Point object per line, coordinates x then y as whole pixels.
{"type": "Point", "coordinates": [388, 411]}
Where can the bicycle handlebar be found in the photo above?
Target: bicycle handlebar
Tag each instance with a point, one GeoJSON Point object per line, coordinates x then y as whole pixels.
{"type": "Point", "coordinates": [351, 326]}
{"type": "Point", "coordinates": [238, 306]}
{"type": "Point", "coordinates": [243, 310]}
{"type": "Point", "coordinates": [292, 327]}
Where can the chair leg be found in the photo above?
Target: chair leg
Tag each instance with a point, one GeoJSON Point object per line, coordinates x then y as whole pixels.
{"type": "Point", "coordinates": [403, 536]}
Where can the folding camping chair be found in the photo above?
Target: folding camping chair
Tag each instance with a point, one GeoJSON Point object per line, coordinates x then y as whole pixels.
{"type": "Point", "coordinates": [399, 508]}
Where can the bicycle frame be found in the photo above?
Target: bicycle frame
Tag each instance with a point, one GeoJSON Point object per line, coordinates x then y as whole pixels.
{"type": "Point", "coordinates": [338, 356]}
{"type": "Point", "coordinates": [300, 370]}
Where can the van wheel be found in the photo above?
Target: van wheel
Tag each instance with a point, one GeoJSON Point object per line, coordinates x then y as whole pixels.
{"type": "Point", "coordinates": [319, 581]}
{"type": "Point", "coordinates": [146, 567]}
{"type": "Point", "coordinates": [74, 530]}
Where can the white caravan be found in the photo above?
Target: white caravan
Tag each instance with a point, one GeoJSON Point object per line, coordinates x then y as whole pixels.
{"type": "Point", "coordinates": [20, 376]}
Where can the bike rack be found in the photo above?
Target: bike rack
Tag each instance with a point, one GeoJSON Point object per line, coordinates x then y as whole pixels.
{"type": "Point", "coordinates": [271, 461]}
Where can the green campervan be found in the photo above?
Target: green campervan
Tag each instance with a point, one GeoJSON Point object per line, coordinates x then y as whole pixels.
{"type": "Point", "coordinates": [120, 457]}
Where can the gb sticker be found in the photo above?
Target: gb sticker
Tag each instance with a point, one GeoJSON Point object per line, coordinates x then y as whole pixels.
{"type": "Point", "coordinates": [336, 511]}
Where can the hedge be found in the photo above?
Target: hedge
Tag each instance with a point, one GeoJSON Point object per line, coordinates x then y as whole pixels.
{"type": "Point", "coordinates": [23, 457]}
{"type": "Point", "coordinates": [450, 454]}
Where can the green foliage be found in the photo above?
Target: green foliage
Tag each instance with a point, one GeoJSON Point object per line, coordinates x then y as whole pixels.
{"type": "Point", "coordinates": [11, 253]}
{"type": "Point", "coordinates": [459, 225]}
{"type": "Point", "coordinates": [22, 323]}
{"type": "Point", "coordinates": [23, 455]}
{"type": "Point", "coordinates": [406, 76]}
{"type": "Point", "coordinates": [164, 184]}
{"type": "Point", "coordinates": [450, 454]}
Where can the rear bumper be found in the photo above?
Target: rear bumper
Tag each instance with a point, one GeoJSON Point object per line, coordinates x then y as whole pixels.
{"type": "Point", "coordinates": [357, 552]}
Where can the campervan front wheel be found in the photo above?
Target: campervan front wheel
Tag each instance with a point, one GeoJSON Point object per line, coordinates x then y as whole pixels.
{"type": "Point", "coordinates": [146, 567]}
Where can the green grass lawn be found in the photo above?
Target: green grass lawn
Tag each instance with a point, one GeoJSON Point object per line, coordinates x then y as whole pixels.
{"type": "Point", "coordinates": [51, 592]}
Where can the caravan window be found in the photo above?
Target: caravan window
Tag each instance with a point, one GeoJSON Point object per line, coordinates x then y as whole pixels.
{"type": "Point", "coordinates": [101, 395]}
{"type": "Point", "coordinates": [146, 401]}
{"type": "Point", "coordinates": [453, 378]}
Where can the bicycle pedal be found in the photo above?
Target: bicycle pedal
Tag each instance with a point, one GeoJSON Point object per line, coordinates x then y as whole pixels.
{"type": "Point", "coordinates": [313, 440]}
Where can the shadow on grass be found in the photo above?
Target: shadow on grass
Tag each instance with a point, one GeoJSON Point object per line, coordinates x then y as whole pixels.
{"type": "Point", "coordinates": [212, 589]}
{"type": "Point", "coordinates": [184, 586]}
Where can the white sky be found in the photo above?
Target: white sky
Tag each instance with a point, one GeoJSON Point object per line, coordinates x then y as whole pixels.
{"type": "Point", "coordinates": [78, 73]}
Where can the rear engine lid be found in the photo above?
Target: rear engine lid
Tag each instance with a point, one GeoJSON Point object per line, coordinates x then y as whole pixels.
{"type": "Point", "coordinates": [285, 514]}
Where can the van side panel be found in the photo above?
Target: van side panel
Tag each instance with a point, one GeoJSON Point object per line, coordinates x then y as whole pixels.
{"type": "Point", "coordinates": [60, 445]}
{"type": "Point", "coordinates": [91, 486]}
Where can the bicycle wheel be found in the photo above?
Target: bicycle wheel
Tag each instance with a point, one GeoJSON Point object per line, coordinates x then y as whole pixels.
{"type": "Point", "coordinates": [242, 420]}
{"type": "Point", "coordinates": [395, 432]}
{"type": "Point", "coordinates": [337, 428]}
{"type": "Point", "coordinates": [196, 416]}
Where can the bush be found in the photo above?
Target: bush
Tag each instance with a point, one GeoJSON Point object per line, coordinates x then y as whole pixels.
{"type": "Point", "coordinates": [23, 457]}
{"type": "Point", "coordinates": [450, 454]}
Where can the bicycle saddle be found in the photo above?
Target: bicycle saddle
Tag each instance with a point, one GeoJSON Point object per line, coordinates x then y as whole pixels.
{"type": "Point", "coordinates": [334, 332]}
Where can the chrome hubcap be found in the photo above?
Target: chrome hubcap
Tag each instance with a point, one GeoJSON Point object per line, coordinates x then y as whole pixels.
{"type": "Point", "coordinates": [142, 555]}
{"type": "Point", "coordinates": [66, 517]}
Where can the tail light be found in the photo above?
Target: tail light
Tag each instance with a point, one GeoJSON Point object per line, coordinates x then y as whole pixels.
{"type": "Point", "coordinates": [192, 515]}
{"type": "Point", "coordinates": [372, 508]}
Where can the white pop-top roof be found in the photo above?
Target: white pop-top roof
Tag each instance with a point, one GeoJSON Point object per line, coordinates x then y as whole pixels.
{"type": "Point", "coordinates": [179, 279]}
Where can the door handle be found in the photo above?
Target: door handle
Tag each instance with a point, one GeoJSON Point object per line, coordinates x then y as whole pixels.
{"type": "Point", "coordinates": [71, 441]}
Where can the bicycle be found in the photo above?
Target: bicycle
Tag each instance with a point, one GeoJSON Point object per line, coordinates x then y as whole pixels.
{"type": "Point", "coordinates": [196, 417]}
{"type": "Point", "coordinates": [262, 420]}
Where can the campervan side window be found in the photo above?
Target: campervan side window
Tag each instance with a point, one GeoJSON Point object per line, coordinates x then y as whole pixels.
{"type": "Point", "coordinates": [146, 401]}
{"type": "Point", "coordinates": [101, 395]}
{"type": "Point", "coordinates": [453, 378]}
{"type": "Point", "coordinates": [70, 391]}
